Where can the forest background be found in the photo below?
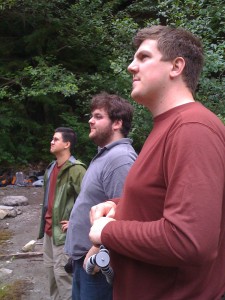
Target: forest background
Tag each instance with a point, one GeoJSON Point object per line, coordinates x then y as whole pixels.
{"type": "Point", "coordinates": [55, 55]}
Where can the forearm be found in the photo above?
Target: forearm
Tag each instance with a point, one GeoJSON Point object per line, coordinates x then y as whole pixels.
{"type": "Point", "coordinates": [161, 242]}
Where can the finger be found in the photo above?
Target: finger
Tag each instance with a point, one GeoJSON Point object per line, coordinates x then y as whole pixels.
{"type": "Point", "coordinates": [91, 217]}
{"type": "Point", "coordinates": [111, 213]}
{"type": "Point", "coordinates": [95, 213]}
{"type": "Point", "coordinates": [64, 222]}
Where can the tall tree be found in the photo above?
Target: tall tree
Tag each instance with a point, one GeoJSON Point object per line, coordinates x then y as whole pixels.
{"type": "Point", "coordinates": [55, 55]}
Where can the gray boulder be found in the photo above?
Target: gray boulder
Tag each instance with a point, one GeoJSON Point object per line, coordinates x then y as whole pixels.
{"type": "Point", "coordinates": [8, 211]}
{"type": "Point", "coordinates": [14, 201]}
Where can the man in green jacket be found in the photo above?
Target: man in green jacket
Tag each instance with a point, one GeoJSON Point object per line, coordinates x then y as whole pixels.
{"type": "Point", "coordinates": [62, 182]}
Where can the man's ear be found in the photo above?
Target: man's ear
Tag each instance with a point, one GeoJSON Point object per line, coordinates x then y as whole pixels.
{"type": "Point", "coordinates": [117, 124]}
{"type": "Point", "coordinates": [178, 65]}
{"type": "Point", "coordinates": [67, 145]}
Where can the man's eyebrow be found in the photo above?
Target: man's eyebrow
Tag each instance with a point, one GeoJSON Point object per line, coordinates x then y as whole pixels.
{"type": "Point", "coordinates": [98, 114]}
{"type": "Point", "coordinates": [142, 52]}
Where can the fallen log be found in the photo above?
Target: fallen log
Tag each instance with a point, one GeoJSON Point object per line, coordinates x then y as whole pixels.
{"type": "Point", "coordinates": [21, 255]}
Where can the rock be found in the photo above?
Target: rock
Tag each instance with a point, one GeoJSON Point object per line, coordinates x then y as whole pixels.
{"type": "Point", "coordinates": [4, 272]}
{"type": "Point", "coordinates": [19, 211]}
{"type": "Point", "coordinates": [8, 211]}
{"type": "Point", "coordinates": [12, 213]}
{"type": "Point", "coordinates": [5, 211]}
{"type": "Point", "coordinates": [3, 214]}
{"type": "Point", "coordinates": [14, 200]}
{"type": "Point", "coordinates": [6, 207]}
{"type": "Point", "coordinates": [29, 246]}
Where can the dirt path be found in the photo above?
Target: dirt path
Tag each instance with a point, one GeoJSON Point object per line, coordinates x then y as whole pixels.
{"type": "Point", "coordinates": [24, 227]}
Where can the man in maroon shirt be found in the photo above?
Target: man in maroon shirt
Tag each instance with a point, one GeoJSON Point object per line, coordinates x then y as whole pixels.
{"type": "Point", "coordinates": [166, 235]}
{"type": "Point", "coordinates": [62, 183]}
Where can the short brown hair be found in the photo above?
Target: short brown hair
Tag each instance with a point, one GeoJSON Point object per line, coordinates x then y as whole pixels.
{"type": "Point", "coordinates": [176, 42]}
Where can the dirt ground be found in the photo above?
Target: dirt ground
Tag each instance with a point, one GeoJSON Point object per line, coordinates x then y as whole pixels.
{"type": "Point", "coordinates": [24, 228]}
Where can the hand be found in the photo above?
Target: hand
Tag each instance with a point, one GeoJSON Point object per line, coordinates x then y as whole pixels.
{"type": "Point", "coordinates": [92, 251]}
{"type": "Point", "coordinates": [96, 229]}
{"type": "Point", "coordinates": [105, 209]}
{"type": "Point", "coordinates": [65, 225]}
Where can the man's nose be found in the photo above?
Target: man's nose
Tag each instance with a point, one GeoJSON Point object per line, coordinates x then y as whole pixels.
{"type": "Point", "coordinates": [91, 120]}
{"type": "Point", "coordinates": [132, 68]}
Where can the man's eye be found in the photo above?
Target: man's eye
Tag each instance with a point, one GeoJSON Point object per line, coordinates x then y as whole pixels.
{"type": "Point", "coordinates": [97, 117]}
{"type": "Point", "coordinates": [143, 57]}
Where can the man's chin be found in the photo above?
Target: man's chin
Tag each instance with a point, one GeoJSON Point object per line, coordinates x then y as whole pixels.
{"type": "Point", "coordinates": [91, 135]}
{"type": "Point", "coordinates": [93, 138]}
{"type": "Point", "coordinates": [137, 97]}
{"type": "Point", "coordinates": [134, 93]}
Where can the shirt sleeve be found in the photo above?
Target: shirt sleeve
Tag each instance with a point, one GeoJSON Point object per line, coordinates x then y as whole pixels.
{"type": "Point", "coordinates": [189, 230]}
{"type": "Point", "coordinates": [77, 175]}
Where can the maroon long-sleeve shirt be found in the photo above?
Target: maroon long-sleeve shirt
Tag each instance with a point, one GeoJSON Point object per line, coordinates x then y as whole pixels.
{"type": "Point", "coordinates": [169, 238]}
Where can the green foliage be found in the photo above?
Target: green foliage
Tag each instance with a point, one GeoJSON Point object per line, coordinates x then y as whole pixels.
{"type": "Point", "coordinates": [84, 149]}
{"type": "Point", "coordinates": [47, 79]}
{"type": "Point", "coordinates": [55, 55]}
{"type": "Point", "coordinates": [142, 124]}
{"type": "Point", "coordinates": [205, 18]}
{"type": "Point", "coordinates": [36, 98]}
{"type": "Point", "coordinates": [4, 4]}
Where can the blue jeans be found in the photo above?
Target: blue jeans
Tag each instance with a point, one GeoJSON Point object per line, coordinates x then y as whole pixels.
{"type": "Point", "coordinates": [89, 287]}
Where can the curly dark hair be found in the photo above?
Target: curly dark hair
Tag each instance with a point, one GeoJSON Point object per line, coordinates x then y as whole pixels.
{"type": "Point", "coordinates": [116, 107]}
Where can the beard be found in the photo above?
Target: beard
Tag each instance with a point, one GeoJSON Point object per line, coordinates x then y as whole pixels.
{"type": "Point", "coordinates": [102, 137]}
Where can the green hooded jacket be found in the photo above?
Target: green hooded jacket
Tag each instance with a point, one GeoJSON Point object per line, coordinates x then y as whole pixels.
{"type": "Point", "coordinates": [67, 189]}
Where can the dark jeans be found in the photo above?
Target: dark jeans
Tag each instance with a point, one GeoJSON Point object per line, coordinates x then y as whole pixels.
{"type": "Point", "coordinates": [89, 287]}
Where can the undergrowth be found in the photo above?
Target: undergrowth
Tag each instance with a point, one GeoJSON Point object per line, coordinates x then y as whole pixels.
{"type": "Point", "coordinates": [5, 235]}
{"type": "Point", "coordinates": [15, 290]}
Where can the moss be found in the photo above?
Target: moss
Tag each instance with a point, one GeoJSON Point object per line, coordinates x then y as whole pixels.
{"type": "Point", "coordinates": [15, 290]}
{"type": "Point", "coordinates": [5, 235]}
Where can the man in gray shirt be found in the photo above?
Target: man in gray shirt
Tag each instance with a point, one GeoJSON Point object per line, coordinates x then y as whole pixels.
{"type": "Point", "coordinates": [110, 124]}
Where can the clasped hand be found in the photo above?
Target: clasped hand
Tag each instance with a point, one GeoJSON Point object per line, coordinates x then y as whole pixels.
{"type": "Point", "coordinates": [100, 215]}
